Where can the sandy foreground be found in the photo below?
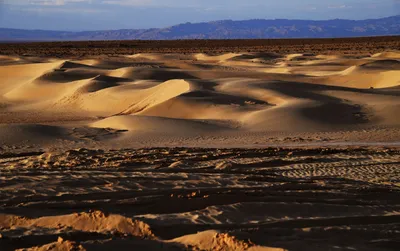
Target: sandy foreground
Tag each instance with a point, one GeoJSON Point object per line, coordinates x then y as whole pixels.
{"type": "Point", "coordinates": [234, 151]}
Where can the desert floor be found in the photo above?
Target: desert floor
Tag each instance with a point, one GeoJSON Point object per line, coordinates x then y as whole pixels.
{"type": "Point", "coordinates": [200, 151]}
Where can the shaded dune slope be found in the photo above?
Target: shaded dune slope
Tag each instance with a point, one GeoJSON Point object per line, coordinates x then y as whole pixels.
{"type": "Point", "coordinates": [253, 91]}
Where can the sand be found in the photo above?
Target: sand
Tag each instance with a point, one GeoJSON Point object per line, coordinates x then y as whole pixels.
{"type": "Point", "coordinates": [235, 151]}
{"type": "Point", "coordinates": [201, 199]}
{"type": "Point", "coordinates": [234, 98]}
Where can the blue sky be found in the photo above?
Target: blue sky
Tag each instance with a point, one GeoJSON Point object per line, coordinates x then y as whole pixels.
{"type": "Point", "coordinates": [126, 14]}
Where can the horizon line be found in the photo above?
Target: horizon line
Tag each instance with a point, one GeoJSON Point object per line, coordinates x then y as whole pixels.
{"type": "Point", "coordinates": [205, 22]}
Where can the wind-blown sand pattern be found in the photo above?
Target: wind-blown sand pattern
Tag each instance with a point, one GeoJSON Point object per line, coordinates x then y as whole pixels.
{"type": "Point", "coordinates": [229, 99]}
{"type": "Point", "coordinates": [235, 151]}
{"type": "Point", "coordinates": [202, 199]}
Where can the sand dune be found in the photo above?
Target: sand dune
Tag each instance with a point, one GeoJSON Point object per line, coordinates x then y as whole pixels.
{"type": "Point", "coordinates": [8, 59]}
{"type": "Point", "coordinates": [388, 64]}
{"type": "Point", "coordinates": [359, 77]}
{"type": "Point", "coordinates": [153, 74]}
{"type": "Point", "coordinates": [12, 76]}
{"type": "Point", "coordinates": [218, 58]}
{"type": "Point", "coordinates": [255, 92]}
{"type": "Point", "coordinates": [213, 240]}
{"type": "Point", "coordinates": [90, 222]}
{"type": "Point", "coordinates": [387, 54]}
{"type": "Point", "coordinates": [237, 151]}
{"type": "Point", "coordinates": [146, 124]}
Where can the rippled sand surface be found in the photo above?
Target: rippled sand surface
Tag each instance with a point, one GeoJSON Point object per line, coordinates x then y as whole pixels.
{"type": "Point", "coordinates": [202, 199]}
{"type": "Point", "coordinates": [200, 151]}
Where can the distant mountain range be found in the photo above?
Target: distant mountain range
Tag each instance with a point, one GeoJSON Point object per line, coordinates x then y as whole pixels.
{"type": "Point", "coordinates": [227, 29]}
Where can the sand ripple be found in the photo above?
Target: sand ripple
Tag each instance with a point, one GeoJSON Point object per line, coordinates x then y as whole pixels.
{"type": "Point", "coordinates": [201, 199]}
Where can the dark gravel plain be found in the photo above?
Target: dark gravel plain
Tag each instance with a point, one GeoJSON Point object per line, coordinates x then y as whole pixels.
{"type": "Point", "coordinates": [353, 46]}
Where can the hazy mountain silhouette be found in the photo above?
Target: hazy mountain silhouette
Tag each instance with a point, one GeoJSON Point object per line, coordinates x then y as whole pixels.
{"type": "Point", "coordinates": [226, 29]}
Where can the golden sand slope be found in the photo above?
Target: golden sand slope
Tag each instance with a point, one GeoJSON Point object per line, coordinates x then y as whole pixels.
{"type": "Point", "coordinates": [198, 94]}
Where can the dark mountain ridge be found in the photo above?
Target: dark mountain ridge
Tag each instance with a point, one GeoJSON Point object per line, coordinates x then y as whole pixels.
{"type": "Point", "coordinates": [224, 29]}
